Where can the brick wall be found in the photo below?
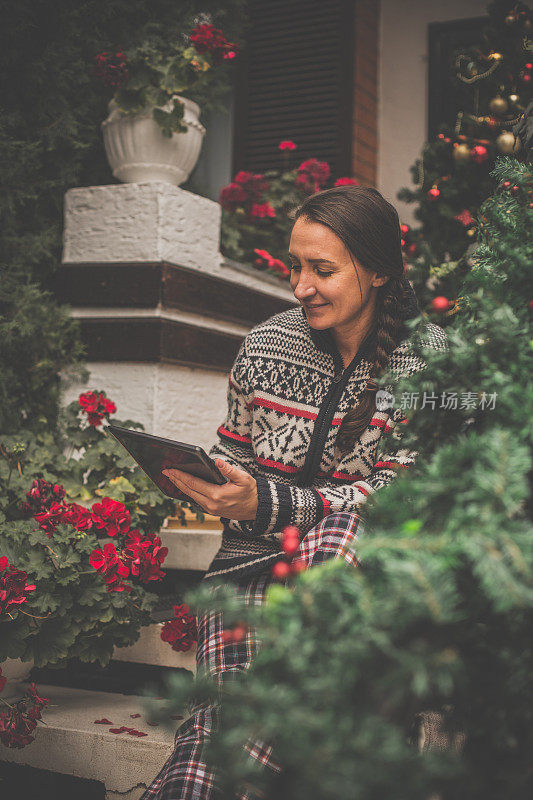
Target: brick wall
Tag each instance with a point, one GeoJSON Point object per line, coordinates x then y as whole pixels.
{"type": "Point", "coordinates": [365, 133]}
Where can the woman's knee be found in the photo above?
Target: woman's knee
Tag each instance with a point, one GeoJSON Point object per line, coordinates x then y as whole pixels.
{"type": "Point", "coordinates": [333, 537]}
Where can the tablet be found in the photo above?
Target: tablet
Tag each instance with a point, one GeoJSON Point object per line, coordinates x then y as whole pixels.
{"type": "Point", "coordinates": [153, 454]}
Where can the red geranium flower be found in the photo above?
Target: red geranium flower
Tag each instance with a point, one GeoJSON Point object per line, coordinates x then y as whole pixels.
{"type": "Point", "coordinates": [97, 406]}
{"type": "Point", "coordinates": [144, 556]}
{"type": "Point", "coordinates": [48, 520]}
{"type": "Point", "coordinates": [111, 517]}
{"type": "Point", "coordinates": [345, 182]}
{"type": "Point", "coordinates": [13, 586]}
{"type": "Point", "coordinates": [275, 264]}
{"type": "Point", "coordinates": [208, 39]}
{"type": "Point", "coordinates": [77, 516]}
{"type": "Point", "coordinates": [107, 562]}
{"type": "Point", "coordinates": [262, 210]}
{"type": "Point", "coordinates": [112, 68]}
{"type": "Point", "coordinates": [312, 175]}
{"type": "Point", "coordinates": [42, 494]}
{"type": "Point", "coordinates": [232, 196]}
{"type": "Point", "coordinates": [181, 633]}
{"type": "Point", "coordinates": [287, 145]}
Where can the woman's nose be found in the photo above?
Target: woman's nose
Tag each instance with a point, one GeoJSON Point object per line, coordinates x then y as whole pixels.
{"type": "Point", "coordinates": [303, 290]}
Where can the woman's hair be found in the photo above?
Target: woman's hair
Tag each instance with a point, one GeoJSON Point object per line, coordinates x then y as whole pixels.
{"type": "Point", "coordinates": [369, 227]}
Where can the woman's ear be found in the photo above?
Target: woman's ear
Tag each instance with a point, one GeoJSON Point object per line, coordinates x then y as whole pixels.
{"type": "Point", "coordinates": [380, 280]}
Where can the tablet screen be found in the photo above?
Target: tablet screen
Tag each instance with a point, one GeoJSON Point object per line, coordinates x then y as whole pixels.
{"type": "Point", "coordinates": [154, 454]}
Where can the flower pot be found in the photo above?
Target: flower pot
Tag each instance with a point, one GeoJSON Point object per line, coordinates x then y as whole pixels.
{"type": "Point", "coordinates": [138, 152]}
{"type": "Point", "coordinates": [17, 673]}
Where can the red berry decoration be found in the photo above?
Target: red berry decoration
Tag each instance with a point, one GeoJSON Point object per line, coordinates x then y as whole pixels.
{"type": "Point", "coordinates": [479, 153]}
{"type": "Point", "coordinates": [433, 193]}
{"type": "Point", "coordinates": [290, 540]}
{"type": "Point", "coordinates": [281, 570]}
{"type": "Point", "coordinates": [404, 228]}
{"type": "Point", "coordinates": [515, 189]}
{"type": "Point", "coordinates": [239, 633]}
{"type": "Point", "coordinates": [440, 304]}
{"type": "Point", "coordinates": [505, 184]}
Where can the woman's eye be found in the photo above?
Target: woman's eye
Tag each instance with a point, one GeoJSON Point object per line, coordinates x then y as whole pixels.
{"type": "Point", "coordinates": [322, 274]}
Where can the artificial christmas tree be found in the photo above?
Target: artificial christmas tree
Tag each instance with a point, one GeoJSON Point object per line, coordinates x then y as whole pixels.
{"type": "Point", "coordinates": [452, 175]}
{"type": "Point", "coordinates": [438, 614]}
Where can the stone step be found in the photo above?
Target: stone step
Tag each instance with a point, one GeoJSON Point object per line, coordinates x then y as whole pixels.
{"type": "Point", "coordinates": [190, 548]}
{"type": "Point", "coordinates": [151, 649]}
{"type": "Point", "coordinates": [70, 743]}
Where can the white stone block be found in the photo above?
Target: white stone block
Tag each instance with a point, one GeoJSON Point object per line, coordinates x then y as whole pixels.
{"type": "Point", "coordinates": [190, 548]}
{"type": "Point", "coordinates": [141, 222]}
{"type": "Point", "coordinates": [151, 649]}
{"type": "Point", "coordinates": [71, 744]}
{"type": "Point", "coordinates": [182, 403]}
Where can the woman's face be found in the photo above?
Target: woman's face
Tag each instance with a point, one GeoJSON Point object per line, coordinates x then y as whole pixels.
{"type": "Point", "coordinates": [324, 281]}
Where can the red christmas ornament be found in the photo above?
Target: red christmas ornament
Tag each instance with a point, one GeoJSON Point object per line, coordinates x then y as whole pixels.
{"type": "Point", "coordinates": [440, 304]}
{"type": "Point", "coordinates": [505, 184]}
{"type": "Point", "coordinates": [281, 570]}
{"type": "Point", "coordinates": [529, 65]}
{"type": "Point", "coordinates": [479, 154]}
{"type": "Point", "coordinates": [404, 228]}
{"type": "Point", "coordinates": [433, 193]}
{"type": "Point", "coordinates": [515, 189]}
{"type": "Point", "coordinates": [525, 77]}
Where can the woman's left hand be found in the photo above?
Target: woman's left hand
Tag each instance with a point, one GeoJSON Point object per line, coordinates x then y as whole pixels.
{"type": "Point", "coordinates": [236, 499]}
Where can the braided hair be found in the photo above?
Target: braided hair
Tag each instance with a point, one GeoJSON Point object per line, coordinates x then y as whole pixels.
{"type": "Point", "coordinates": [369, 227]}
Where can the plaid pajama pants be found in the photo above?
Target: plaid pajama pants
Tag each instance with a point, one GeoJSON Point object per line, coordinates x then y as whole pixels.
{"type": "Point", "coordinates": [185, 775]}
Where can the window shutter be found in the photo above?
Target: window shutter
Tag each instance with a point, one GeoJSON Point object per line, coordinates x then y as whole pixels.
{"type": "Point", "coordinates": [296, 82]}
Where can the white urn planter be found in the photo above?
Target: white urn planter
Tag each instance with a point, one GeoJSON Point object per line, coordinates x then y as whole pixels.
{"type": "Point", "coordinates": [17, 673]}
{"type": "Point", "coordinates": [138, 152]}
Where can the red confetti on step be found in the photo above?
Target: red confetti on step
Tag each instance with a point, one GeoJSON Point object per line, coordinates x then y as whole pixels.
{"type": "Point", "coordinates": [135, 716]}
{"type": "Point", "coordinates": [133, 732]}
{"type": "Point", "coordinates": [117, 730]}
{"type": "Point", "coordinates": [103, 721]}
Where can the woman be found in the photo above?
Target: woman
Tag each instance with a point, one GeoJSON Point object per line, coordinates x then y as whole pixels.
{"type": "Point", "coordinates": [300, 443]}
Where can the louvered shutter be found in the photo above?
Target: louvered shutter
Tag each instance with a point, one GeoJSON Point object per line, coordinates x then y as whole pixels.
{"type": "Point", "coordinates": [296, 82]}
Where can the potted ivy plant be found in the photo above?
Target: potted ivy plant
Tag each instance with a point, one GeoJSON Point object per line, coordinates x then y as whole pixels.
{"type": "Point", "coordinates": [153, 131]}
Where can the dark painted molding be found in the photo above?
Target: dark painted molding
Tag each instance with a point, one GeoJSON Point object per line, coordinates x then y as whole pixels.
{"type": "Point", "coordinates": [134, 285]}
{"type": "Point", "coordinates": [158, 340]}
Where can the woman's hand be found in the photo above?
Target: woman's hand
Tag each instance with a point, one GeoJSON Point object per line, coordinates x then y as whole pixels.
{"type": "Point", "coordinates": [236, 499]}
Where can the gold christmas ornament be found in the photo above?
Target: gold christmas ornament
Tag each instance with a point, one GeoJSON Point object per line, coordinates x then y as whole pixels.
{"type": "Point", "coordinates": [498, 105]}
{"type": "Point", "coordinates": [513, 98]}
{"type": "Point", "coordinates": [461, 153]}
{"type": "Point", "coordinates": [471, 232]}
{"type": "Point", "coordinates": [495, 56]}
{"type": "Point", "coordinates": [506, 143]}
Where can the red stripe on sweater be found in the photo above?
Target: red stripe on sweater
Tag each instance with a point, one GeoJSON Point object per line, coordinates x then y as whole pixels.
{"type": "Point", "coordinates": [389, 465]}
{"type": "Point", "coordinates": [267, 462]}
{"type": "Point", "coordinates": [295, 412]}
{"type": "Point", "coordinates": [345, 476]}
{"type": "Point", "coordinates": [225, 432]}
{"type": "Point", "coordinates": [325, 503]}
{"type": "Point", "coordinates": [363, 491]}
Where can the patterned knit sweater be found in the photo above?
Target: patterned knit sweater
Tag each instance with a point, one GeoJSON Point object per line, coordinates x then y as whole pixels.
{"type": "Point", "coordinates": [288, 392]}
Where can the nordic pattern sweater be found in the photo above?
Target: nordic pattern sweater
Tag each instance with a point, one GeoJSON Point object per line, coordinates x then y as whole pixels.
{"type": "Point", "coordinates": [288, 392]}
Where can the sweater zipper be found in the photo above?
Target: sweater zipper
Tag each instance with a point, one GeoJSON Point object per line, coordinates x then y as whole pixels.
{"type": "Point", "coordinates": [336, 389]}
